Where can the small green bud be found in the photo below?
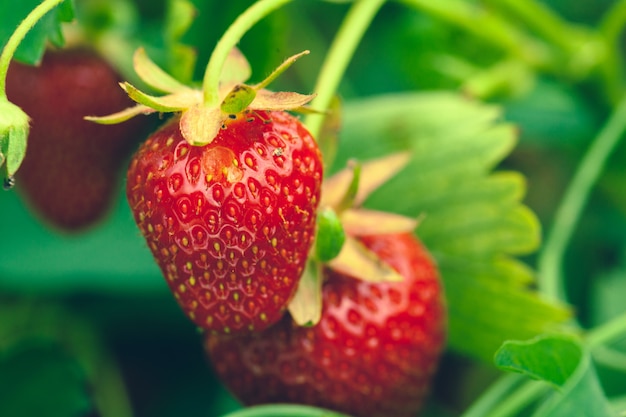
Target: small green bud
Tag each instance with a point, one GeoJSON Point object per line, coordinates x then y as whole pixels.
{"type": "Point", "coordinates": [330, 235]}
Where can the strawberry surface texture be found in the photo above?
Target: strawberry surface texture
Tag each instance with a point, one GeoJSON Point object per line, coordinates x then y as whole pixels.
{"type": "Point", "coordinates": [72, 167]}
{"type": "Point", "coordinates": [230, 223]}
{"type": "Point", "coordinates": [373, 353]}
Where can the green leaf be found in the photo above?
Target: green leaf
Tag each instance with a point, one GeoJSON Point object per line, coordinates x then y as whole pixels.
{"type": "Point", "coordinates": [552, 359]}
{"type": "Point", "coordinates": [562, 362]}
{"type": "Point", "coordinates": [47, 29]}
{"type": "Point", "coordinates": [472, 220]}
{"type": "Point", "coordinates": [38, 379]}
{"type": "Point", "coordinates": [486, 305]}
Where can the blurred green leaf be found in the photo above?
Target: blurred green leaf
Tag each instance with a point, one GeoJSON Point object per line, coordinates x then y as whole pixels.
{"type": "Point", "coordinates": [112, 28]}
{"type": "Point", "coordinates": [328, 137]}
{"type": "Point", "coordinates": [552, 359]}
{"type": "Point", "coordinates": [562, 362]}
{"type": "Point", "coordinates": [553, 115]}
{"type": "Point", "coordinates": [472, 219]}
{"type": "Point", "coordinates": [485, 308]}
{"type": "Point", "coordinates": [112, 256]}
{"type": "Point", "coordinates": [40, 379]}
{"type": "Point", "coordinates": [607, 295]}
{"type": "Point", "coordinates": [179, 16]}
{"type": "Point", "coordinates": [47, 29]}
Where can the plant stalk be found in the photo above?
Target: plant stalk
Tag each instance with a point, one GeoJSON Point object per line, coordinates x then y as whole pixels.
{"type": "Point", "coordinates": [488, 26]}
{"type": "Point", "coordinates": [573, 202]}
{"type": "Point", "coordinates": [228, 41]}
{"type": "Point", "coordinates": [611, 27]}
{"type": "Point", "coordinates": [614, 21]}
{"type": "Point", "coordinates": [607, 332]}
{"type": "Point", "coordinates": [18, 36]}
{"type": "Point", "coordinates": [340, 54]}
{"type": "Point", "coordinates": [525, 395]}
{"type": "Point", "coordinates": [548, 24]}
{"type": "Point", "coordinates": [493, 395]}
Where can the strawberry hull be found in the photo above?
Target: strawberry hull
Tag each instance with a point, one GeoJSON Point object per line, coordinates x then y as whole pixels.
{"type": "Point", "coordinates": [229, 223]}
{"type": "Point", "coordinates": [373, 353]}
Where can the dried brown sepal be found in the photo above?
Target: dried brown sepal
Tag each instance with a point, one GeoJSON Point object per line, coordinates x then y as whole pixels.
{"type": "Point", "coordinates": [359, 262]}
{"type": "Point", "coordinates": [372, 175]}
{"type": "Point", "coordinates": [236, 69]}
{"type": "Point", "coordinates": [199, 124]}
{"type": "Point", "coordinates": [362, 222]}
{"type": "Point", "coordinates": [121, 116]}
{"type": "Point", "coordinates": [282, 100]}
{"type": "Point", "coordinates": [306, 306]}
{"type": "Point", "coordinates": [279, 70]}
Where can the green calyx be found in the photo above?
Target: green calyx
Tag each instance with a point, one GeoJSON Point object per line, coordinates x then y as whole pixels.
{"type": "Point", "coordinates": [340, 223]}
{"type": "Point", "coordinates": [200, 122]}
{"type": "Point", "coordinates": [14, 128]}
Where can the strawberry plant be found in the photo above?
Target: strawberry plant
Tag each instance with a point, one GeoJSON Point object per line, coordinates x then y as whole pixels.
{"type": "Point", "coordinates": [471, 147]}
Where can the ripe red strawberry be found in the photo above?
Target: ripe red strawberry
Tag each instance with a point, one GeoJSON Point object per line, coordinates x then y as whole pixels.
{"type": "Point", "coordinates": [72, 167]}
{"type": "Point", "coordinates": [373, 353]}
{"type": "Point", "coordinates": [230, 223]}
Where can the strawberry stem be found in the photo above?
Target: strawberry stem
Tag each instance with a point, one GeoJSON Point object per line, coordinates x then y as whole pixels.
{"type": "Point", "coordinates": [228, 41]}
{"type": "Point", "coordinates": [18, 35]}
{"type": "Point", "coordinates": [493, 396]}
{"type": "Point", "coordinates": [341, 51]}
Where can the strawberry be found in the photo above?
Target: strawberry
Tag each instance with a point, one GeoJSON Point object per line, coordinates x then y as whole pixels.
{"type": "Point", "coordinates": [225, 193]}
{"type": "Point", "coordinates": [72, 167]}
{"type": "Point", "coordinates": [373, 352]}
{"type": "Point", "coordinates": [229, 223]}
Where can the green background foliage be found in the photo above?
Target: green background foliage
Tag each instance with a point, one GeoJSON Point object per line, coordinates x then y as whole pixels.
{"type": "Point", "coordinates": [497, 114]}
